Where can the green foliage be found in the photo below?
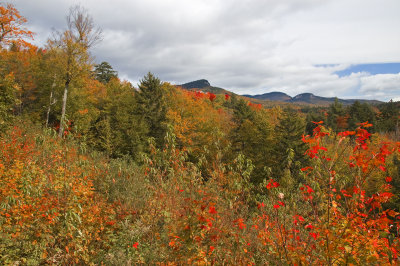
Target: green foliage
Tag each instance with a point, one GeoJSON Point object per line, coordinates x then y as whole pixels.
{"type": "Point", "coordinates": [242, 111]}
{"type": "Point", "coordinates": [151, 107]}
{"type": "Point", "coordinates": [119, 129]}
{"type": "Point", "coordinates": [252, 136]}
{"type": "Point", "coordinates": [289, 148]}
{"type": "Point", "coordinates": [389, 117]}
{"type": "Point", "coordinates": [314, 116]}
{"type": "Point", "coordinates": [360, 113]}
{"type": "Point", "coordinates": [7, 100]}
{"type": "Point", "coordinates": [337, 119]}
{"type": "Point", "coordinates": [394, 171]}
{"type": "Point", "coordinates": [104, 72]}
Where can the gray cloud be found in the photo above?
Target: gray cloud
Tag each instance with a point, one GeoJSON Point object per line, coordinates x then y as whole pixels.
{"type": "Point", "coordinates": [248, 46]}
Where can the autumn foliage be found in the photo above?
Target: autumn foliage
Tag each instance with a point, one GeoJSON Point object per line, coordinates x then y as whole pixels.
{"type": "Point", "coordinates": [51, 213]}
{"type": "Point", "coordinates": [11, 27]}
{"type": "Point", "coordinates": [160, 175]}
{"type": "Point", "coordinates": [49, 210]}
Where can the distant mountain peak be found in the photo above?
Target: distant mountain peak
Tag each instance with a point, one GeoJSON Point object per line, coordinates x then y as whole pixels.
{"type": "Point", "coordinates": [305, 95]}
{"type": "Point", "coordinates": [272, 96]}
{"type": "Point", "coordinates": [204, 86]}
{"type": "Point", "coordinates": [197, 84]}
{"type": "Point", "coordinates": [303, 98]}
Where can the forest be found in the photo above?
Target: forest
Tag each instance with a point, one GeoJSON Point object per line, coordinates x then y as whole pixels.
{"type": "Point", "coordinates": [96, 171]}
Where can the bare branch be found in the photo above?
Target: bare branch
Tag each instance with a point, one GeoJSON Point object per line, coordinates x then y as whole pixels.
{"type": "Point", "coordinates": [82, 28]}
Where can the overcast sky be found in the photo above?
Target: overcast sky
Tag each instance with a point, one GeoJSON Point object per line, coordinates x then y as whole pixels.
{"type": "Point", "coordinates": [326, 47]}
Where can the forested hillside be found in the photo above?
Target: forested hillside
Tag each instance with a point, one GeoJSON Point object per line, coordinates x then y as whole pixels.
{"type": "Point", "coordinates": [96, 171]}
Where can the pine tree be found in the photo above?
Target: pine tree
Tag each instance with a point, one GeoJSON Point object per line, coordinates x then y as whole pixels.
{"type": "Point", "coordinates": [337, 119]}
{"type": "Point", "coordinates": [389, 116]}
{"type": "Point", "coordinates": [289, 149]}
{"type": "Point", "coordinates": [313, 116]}
{"type": "Point", "coordinates": [394, 172]}
{"type": "Point", "coordinates": [119, 130]}
{"type": "Point", "coordinates": [243, 116]}
{"type": "Point", "coordinates": [252, 137]}
{"type": "Point", "coordinates": [151, 106]}
{"type": "Point", "coordinates": [360, 113]}
{"type": "Point", "coordinates": [104, 72]}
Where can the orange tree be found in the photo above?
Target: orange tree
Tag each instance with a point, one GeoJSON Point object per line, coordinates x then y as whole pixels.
{"type": "Point", "coordinates": [11, 26]}
{"type": "Point", "coordinates": [200, 124]}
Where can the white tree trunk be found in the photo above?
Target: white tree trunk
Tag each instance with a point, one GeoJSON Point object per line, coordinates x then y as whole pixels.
{"type": "Point", "coordinates": [64, 107]}
{"type": "Point", "coordinates": [51, 102]}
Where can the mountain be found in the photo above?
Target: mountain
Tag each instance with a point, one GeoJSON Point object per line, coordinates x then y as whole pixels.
{"type": "Point", "coordinates": [278, 97]}
{"type": "Point", "coordinates": [205, 86]}
{"type": "Point", "coordinates": [306, 98]}
{"type": "Point", "coordinates": [197, 84]}
{"type": "Point", "coordinates": [313, 99]}
{"type": "Point", "coordinates": [271, 96]}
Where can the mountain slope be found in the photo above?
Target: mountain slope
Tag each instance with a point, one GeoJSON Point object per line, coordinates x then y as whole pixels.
{"type": "Point", "coordinates": [205, 86]}
{"type": "Point", "coordinates": [278, 97]}
{"type": "Point", "coordinates": [271, 96]}
{"type": "Point", "coordinates": [306, 98]}
{"type": "Point", "coordinates": [197, 84]}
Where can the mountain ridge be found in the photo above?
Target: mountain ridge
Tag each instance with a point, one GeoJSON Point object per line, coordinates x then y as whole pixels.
{"type": "Point", "coordinates": [275, 96]}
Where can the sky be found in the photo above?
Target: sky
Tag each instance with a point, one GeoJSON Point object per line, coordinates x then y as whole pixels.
{"type": "Point", "coordinates": [342, 48]}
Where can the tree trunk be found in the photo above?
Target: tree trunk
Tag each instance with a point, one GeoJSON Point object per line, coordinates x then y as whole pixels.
{"type": "Point", "coordinates": [64, 107]}
{"type": "Point", "coordinates": [51, 101]}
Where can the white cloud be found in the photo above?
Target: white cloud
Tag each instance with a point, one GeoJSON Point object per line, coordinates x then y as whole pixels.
{"type": "Point", "coordinates": [385, 85]}
{"type": "Point", "coordinates": [249, 46]}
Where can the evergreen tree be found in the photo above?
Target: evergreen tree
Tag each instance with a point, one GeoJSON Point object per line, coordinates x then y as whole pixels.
{"type": "Point", "coordinates": [289, 149]}
{"type": "Point", "coordinates": [119, 130]}
{"type": "Point", "coordinates": [104, 72]}
{"type": "Point", "coordinates": [243, 116]}
{"type": "Point", "coordinates": [151, 106]}
{"type": "Point", "coordinates": [252, 137]}
{"type": "Point", "coordinates": [313, 116]}
{"type": "Point", "coordinates": [389, 116]}
{"type": "Point", "coordinates": [242, 111]}
{"type": "Point", "coordinates": [394, 172]}
{"type": "Point", "coordinates": [360, 113]}
{"type": "Point", "coordinates": [337, 119]}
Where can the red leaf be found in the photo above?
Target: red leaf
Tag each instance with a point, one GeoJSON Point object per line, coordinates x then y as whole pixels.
{"type": "Point", "coordinates": [306, 168]}
{"type": "Point", "coordinates": [309, 226]}
{"type": "Point", "coordinates": [260, 205]}
{"type": "Point", "coordinates": [314, 235]}
{"type": "Point", "coordinates": [211, 96]}
{"type": "Point", "coordinates": [212, 210]}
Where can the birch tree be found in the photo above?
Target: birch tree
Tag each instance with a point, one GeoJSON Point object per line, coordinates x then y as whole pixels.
{"type": "Point", "coordinates": [81, 34]}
